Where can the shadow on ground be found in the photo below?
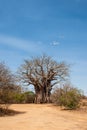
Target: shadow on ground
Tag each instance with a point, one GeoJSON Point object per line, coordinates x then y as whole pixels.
{"type": "Point", "coordinates": [9, 112]}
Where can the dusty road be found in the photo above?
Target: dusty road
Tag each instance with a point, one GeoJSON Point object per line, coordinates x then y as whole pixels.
{"type": "Point", "coordinates": [43, 117]}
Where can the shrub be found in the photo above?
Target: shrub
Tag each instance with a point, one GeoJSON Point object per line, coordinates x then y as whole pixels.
{"type": "Point", "coordinates": [25, 97]}
{"type": "Point", "coordinates": [67, 96]}
{"type": "Point", "coordinates": [19, 98]}
{"type": "Point", "coordinates": [29, 97]}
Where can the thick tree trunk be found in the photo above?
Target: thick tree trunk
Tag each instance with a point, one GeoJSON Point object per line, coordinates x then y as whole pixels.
{"type": "Point", "coordinates": [42, 97]}
{"type": "Point", "coordinates": [42, 94]}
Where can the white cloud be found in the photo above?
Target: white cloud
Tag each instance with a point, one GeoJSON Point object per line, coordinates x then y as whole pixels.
{"type": "Point", "coordinates": [20, 44]}
{"type": "Point", "coordinates": [55, 43]}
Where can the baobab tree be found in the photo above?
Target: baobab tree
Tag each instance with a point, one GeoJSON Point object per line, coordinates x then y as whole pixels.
{"type": "Point", "coordinates": [43, 73]}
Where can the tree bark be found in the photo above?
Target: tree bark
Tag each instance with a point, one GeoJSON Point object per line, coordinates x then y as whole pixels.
{"type": "Point", "coordinates": [43, 96]}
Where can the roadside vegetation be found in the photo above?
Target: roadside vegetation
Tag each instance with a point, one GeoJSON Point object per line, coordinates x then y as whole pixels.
{"type": "Point", "coordinates": [67, 96]}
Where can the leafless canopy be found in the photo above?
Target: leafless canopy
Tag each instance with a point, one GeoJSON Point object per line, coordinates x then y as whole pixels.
{"type": "Point", "coordinates": [6, 78]}
{"type": "Point", "coordinates": [43, 73]}
{"type": "Point", "coordinates": [7, 83]}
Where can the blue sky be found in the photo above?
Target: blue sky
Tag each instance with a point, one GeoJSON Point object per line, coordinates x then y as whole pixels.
{"type": "Point", "coordinates": [55, 27]}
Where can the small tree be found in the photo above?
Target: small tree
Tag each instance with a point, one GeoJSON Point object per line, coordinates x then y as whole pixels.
{"type": "Point", "coordinates": [7, 85]}
{"type": "Point", "coordinates": [67, 96]}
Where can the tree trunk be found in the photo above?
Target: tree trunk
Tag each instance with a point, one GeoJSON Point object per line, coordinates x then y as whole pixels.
{"type": "Point", "coordinates": [42, 96]}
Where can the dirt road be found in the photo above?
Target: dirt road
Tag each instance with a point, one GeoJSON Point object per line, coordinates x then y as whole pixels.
{"type": "Point", "coordinates": [43, 117]}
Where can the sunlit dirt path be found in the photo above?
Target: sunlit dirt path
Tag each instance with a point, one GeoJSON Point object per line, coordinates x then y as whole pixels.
{"type": "Point", "coordinates": [43, 117]}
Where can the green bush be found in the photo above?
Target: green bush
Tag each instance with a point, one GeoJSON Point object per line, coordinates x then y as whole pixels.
{"type": "Point", "coordinates": [26, 97]}
{"type": "Point", "coordinates": [67, 96]}
{"type": "Point", "coordinates": [29, 97]}
{"type": "Point", "coordinates": [18, 98]}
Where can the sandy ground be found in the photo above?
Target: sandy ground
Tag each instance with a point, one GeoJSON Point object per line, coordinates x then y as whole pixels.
{"type": "Point", "coordinates": [43, 117]}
